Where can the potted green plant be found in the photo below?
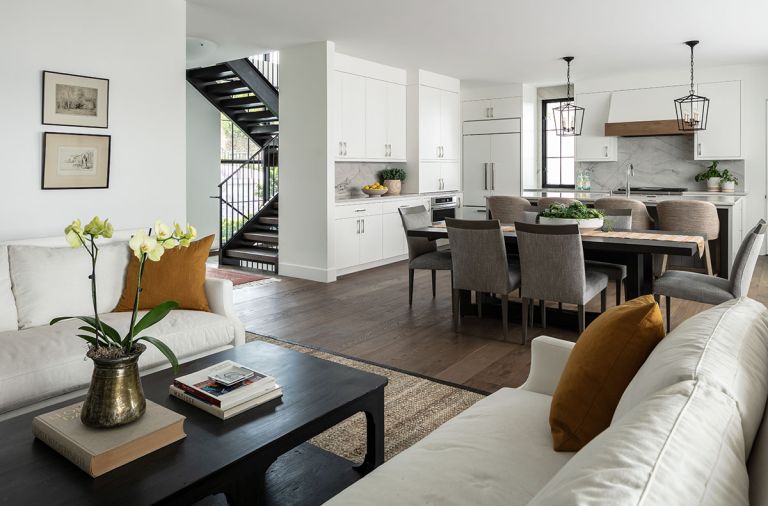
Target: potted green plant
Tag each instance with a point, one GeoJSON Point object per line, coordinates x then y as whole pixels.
{"type": "Point", "coordinates": [712, 176]}
{"type": "Point", "coordinates": [575, 213]}
{"type": "Point", "coordinates": [115, 396]}
{"type": "Point", "coordinates": [392, 178]}
{"type": "Point", "coordinates": [728, 181]}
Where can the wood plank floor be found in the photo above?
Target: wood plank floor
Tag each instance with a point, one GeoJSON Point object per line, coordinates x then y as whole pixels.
{"type": "Point", "coordinates": [366, 315]}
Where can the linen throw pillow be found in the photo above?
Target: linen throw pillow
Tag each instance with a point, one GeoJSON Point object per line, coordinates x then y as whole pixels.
{"type": "Point", "coordinates": [603, 362]}
{"type": "Point", "coordinates": [8, 314]}
{"type": "Point", "coordinates": [179, 275]}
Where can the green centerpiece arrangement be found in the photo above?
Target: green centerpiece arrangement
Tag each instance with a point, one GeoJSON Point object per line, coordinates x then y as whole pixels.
{"type": "Point", "coordinates": [393, 178]}
{"type": "Point", "coordinates": [576, 213]}
{"type": "Point", "coordinates": [115, 396]}
{"type": "Point", "coordinates": [712, 176]}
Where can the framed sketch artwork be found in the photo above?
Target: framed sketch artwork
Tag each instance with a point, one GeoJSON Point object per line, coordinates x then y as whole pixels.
{"type": "Point", "coordinates": [75, 161]}
{"type": "Point", "coordinates": [72, 100]}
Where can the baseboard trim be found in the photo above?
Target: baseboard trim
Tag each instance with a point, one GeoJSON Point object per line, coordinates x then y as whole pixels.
{"type": "Point", "coordinates": [306, 272]}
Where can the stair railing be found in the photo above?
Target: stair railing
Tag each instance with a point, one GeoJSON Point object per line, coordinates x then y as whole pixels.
{"type": "Point", "coordinates": [243, 193]}
{"type": "Point", "coordinates": [269, 66]}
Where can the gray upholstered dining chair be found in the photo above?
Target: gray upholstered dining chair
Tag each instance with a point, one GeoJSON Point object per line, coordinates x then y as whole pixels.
{"type": "Point", "coordinates": [613, 219]}
{"type": "Point", "coordinates": [641, 220]}
{"type": "Point", "coordinates": [480, 264]}
{"type": "Point", "coordinates": [552, 267]}
{"type": "Point", "coordinates": [422, 253]}
{"type": "Point", "coordinates": [700, 287]}
{"type": "Point", "coordinates": [545, 202]}
{"type": "Point", "coordinates": [507, 208]}
{"type": "Point", "coordinates": [690, 217]}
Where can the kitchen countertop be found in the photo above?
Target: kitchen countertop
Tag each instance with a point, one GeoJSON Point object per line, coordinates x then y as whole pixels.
{"type": "Point", "coordinates": [718, 199]}
{"type": "Point", "coordinates": [390, 198]}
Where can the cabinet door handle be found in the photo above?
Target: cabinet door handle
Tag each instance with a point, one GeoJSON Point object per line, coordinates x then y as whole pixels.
{"type": "Point", "coordinates": [485, 176]}
{"type": "Point", "coordinates": [698, 148]}
{"type": "Point", "coordinates": [358, 226]}
{"type": "Point", "coordinates": [345, 148]}
{"type": "Point", "coordinates": [606, 151]}
{"type": "Point", "coordinates": [359, 210]}
{"type": "Point", "coordinates": [487, 112]}
{"type": "Point", "coordinates": [493, 175]}
{"type": "Point", "coordinates": [363, 222]}
{"type": "Point", "coordinates": [491, 111]}
{"type": "Point", "coordinates": [341, 149]}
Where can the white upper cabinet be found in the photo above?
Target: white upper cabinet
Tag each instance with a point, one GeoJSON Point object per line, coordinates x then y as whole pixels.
{"type": "Point", "coordinates": [375, 119]}
{"type": "Point", "coordinates": [438, 124]}
{"type": "Point", "coordinates": [496, 108]}
{"type": "Point", "coordinates": [722, 138]}
{"type": "Point", "coordinates": [396, 104]}
{"type": "Point", "coordinates": [350, 124]}
{"type": "Point", "coordinates": [593, 145]}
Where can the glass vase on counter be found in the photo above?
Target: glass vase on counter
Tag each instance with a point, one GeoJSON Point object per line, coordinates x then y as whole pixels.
{"type": "Point", "coordinates": [583, 180]}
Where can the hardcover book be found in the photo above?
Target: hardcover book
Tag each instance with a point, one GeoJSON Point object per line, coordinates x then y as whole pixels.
{"type": "Point", "coordinates": [265, 397]}
{"type": "Point", "coordinates": [200, 385]}
{"type": "Point", "coordinates": [97, 451]}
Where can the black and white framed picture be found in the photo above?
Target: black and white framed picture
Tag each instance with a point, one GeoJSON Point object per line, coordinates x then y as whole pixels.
{"type": "Point", "coordinates": [72, 100]}
{"type": "Point", "coordinates": [72, 161]}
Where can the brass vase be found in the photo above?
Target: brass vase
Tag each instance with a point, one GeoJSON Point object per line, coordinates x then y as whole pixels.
{"type": "Point", "coordinates": [115, 396]}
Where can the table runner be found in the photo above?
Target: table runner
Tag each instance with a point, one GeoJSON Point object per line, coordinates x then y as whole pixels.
{"type": "Point", "coordinates": [626, 234]}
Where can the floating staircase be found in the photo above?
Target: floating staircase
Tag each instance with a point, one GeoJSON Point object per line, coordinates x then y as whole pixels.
{"type": "Point", "coordinates": [246, 91]}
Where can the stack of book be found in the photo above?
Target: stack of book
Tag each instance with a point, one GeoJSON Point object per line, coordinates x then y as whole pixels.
{"type": "Point", "coordinates": [226, 389]}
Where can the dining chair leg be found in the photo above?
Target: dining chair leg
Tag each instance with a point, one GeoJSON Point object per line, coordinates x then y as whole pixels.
{"type": "Point", "coordinates": [603, 299]}
{"type": "Point", "coordinates": [618, 292]}
{"type": "Point", "coordinates": [434, 283]}
{"type": "Point", "coordinates": [453, 302]}
{"type": "Point", "coordinates": [560, 306]}
{"type": "Point", "coordinates": [410, 287]}
{"type": "Point", "coordinates": [479, 302]}
{"type": "Point", "coordinates": [664, 259]}
{"type": "Point", "coordinates": [505, 315]}
{"type": "Point", "coordinates": [456, 310]}
{"type": "Point", "coordinates": [543, 311]}
{"type": "Point", "coordinates": [582, 317]}
{"type": "Point", "coordinates": [708, 256]}
{"type": "Point", "coordinates": [668, 301]}
{"type": "Point", "coordinates": [530, 311]}
{"type": "Point", "coordinates": [525, 321]}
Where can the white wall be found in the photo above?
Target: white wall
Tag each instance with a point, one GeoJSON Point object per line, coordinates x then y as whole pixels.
{"type": "Point", "coordinates": [140, 47]}
{"type": "Point", "coordinates": [306, 162]}
{"type": "Point", "coordinates": [203, 164]}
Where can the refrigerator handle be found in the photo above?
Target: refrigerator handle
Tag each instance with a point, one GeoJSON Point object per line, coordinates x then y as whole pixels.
{"type": "Point", "coordinates": [485, 176]}
{"type": "Point", "coordinates": [493, 175]}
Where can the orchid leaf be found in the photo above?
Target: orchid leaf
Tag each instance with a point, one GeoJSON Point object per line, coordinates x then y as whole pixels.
{"type": "Point", "coordinates": [91, 340]}
{"type": "Point", "coordinates": [107, 331]}
{"type": "Point", "coordinates": [165, 350]}
{"type": "Point", "coordinates": [155, 315]}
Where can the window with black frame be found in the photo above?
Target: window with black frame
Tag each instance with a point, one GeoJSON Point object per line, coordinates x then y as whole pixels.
{"type": "Point", "coordinates": [558, 156]}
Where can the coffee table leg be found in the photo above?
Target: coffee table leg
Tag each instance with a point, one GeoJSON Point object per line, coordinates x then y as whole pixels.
{"type": "Point", "coordinates": [247, 489]}
{"type": "Point", "coordinates": [374, 417]}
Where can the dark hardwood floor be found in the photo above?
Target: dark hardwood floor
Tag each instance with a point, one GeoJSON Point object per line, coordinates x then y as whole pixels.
{"type": "Point", "coordinates": [366, 315]}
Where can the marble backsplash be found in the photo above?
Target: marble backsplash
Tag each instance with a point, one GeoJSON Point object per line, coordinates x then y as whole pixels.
{"type": "Point", "coordinates": [352, 176]}
{"type": "Point", "coordinates": [658, 161]}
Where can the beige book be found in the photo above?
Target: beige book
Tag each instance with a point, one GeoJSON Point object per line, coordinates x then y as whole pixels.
{"type": "Point", "coordinates": [97, 451]}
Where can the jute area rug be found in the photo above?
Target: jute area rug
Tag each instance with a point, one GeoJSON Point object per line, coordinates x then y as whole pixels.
{"type": "Point", "coordinates": [413, 407]}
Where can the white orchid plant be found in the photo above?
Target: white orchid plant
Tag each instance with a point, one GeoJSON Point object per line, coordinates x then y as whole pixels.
{"type": "Point", "coordinates": [145, 246]}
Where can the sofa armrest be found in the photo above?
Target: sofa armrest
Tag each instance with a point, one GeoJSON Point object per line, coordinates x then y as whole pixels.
{"type": "Point", "coordinates": [219, 294]}
{"type": "Point", "coordinates": [548, 358]}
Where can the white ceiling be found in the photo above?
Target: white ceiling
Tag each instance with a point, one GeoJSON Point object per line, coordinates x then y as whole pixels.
{"type": "Point", "coordinates": [495, 40]}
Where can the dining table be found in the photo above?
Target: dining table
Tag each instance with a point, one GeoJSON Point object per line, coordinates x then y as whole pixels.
{"type": "Point", "coordinates": [635, 250]}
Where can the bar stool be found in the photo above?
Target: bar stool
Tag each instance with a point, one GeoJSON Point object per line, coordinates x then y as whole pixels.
{"type": "Point", "coordinates": [507, 208]}
{"type": "Point", "coordinates": [641, 220]}
{"type": "Point", "coordinates": [690, 217]}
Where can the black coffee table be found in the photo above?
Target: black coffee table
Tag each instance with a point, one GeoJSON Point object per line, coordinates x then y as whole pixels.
{"type": "Point", "coordinates": [230, 457]}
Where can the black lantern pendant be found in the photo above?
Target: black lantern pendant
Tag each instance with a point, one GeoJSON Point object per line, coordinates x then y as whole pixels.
{"type": "Point", "coordinates": [568, 118]}
{"type": "Point", "coordinates": [692, 110]}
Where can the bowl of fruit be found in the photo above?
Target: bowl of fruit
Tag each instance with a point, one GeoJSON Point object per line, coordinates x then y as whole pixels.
{"type": "Point", "coordinates": [375, 190]}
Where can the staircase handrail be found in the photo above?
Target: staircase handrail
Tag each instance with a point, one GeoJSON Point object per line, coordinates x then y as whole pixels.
{"type": "Point", "coordinates": [270, 143]}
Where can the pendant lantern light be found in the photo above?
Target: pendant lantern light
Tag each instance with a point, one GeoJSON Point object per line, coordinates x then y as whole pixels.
{"type": "Point", "coordinates": [692, 110]}
{"type": "Point", "coordinates": [568, 118]}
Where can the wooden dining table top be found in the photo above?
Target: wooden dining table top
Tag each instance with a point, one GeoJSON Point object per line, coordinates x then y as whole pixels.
{"type": "Point", "coordinates": [592, 242]}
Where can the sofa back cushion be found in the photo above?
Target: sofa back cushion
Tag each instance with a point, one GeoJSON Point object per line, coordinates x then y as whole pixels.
{"type": "Point", "coordinates": [682, 445]}
{"type": "Point", "coordinates": [727, 346]}
{"type": "Point", "coordinates": [8, 316]}
{"type": "Point", "coordinates": [51, 282]}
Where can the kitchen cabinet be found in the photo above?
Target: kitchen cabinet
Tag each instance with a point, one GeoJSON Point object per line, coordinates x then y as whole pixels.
{"type": "Point", "coordinates": [491, 166]}
{"type": "Point", "coordinates": [370, 239]}
{"type": "Point", "coordinates": [438, 124]}
{"type": "Point", "coordinates": [496, 108]}
{"type": "Point", "coordinates": [350, 118]}
{"type": "Point", "coordinates": [439, 176]}
{"type": "Point", "coordinates": [722, 138]}
{"type": "Point", "coordinates": [358, 240]}
{"type": "Point", "coordinates": [384, 120]}
{"type": "Point", "coordinates": [593, 145]}
{"type": "Point", "coordinates": [392, 236]}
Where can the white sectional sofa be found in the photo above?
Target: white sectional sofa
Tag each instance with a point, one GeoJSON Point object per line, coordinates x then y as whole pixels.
{"type": "Point", "coordinates": [42, 364]}
{"type": "Point", "coordinates": [686, 431]}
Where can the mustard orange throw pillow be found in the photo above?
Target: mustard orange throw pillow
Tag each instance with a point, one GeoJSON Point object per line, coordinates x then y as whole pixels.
{"type": "Point", "coordinates": [179, 275]}
{"type": "Point", "coordinates": [604, 360]}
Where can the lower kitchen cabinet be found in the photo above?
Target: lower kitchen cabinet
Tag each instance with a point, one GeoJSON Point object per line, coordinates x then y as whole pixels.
{"type": "Point", "coordinates": [358, 241]}
{"type": "Point", "coordinates": [393, 236]}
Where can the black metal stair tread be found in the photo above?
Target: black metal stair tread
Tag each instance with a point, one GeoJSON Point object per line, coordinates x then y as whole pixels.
{"type": "Point", "coordinates": [212, 74]}
{"type": "Point", "coordinates": [244, 102]}
{"type": "Point", "coordinates": [254, 254]}
{"type": "Point", "coordinates": [270, 220]}
{"type": "Point", "coordinates": [260, 236]}
{"type": "Point", "coordinates": [228, 88]}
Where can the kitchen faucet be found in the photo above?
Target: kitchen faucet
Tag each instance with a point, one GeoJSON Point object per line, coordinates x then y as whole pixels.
{"type": "Point", "coordinates": [630, 173]}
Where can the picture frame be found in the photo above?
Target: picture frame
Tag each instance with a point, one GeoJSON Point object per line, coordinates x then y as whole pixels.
{"type": "Point", "coordinates": [75, 100]}
{"type": "Point", "coordinates": [75, 161]}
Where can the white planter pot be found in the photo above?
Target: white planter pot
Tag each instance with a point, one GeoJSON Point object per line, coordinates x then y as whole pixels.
{"type": "Point", "coordinates": [728, 186]}
{"type": "Point", "coordinates": [591, 223]}
{"type": "Point", "coordinates": [713, 184]}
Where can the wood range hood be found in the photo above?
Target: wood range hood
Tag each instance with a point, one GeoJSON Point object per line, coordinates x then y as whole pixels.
{"type": "Point", "coordinates": [644, 112]}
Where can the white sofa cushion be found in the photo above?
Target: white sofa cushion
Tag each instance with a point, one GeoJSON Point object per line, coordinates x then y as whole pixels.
{"type": "Point", "coordinates": [499, 451]}
{"type": "Point", "coordinates": [727, 346]}
{"type": "Point", "coordinates": [682, 445]}
{"type": "Point", "coordinates": [43, 362]}
{"type": "Point", "coordinates": [8, 316]}
{"type": "Point", "coordinates": [50, 282]}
